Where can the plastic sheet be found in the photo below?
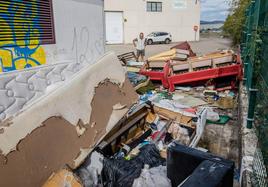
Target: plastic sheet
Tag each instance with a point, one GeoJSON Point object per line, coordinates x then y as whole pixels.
{"type": "Point", "coordinates": [135, 78]}
{"type": "Point", "coordinates": [153, 177]}
{"type": "Point", "coordinates": [121, 172]}
{"type": "Point", "coordinates": [90, 171]}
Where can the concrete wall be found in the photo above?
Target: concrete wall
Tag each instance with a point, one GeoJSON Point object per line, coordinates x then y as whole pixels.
{"type": "Point", "coordinates": [178, 20]}
{"type": "Point", "coordinates": [79, 30]}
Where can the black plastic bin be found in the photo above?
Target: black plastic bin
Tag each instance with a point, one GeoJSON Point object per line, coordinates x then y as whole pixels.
{"type": "Point", "coordinates": [182, 161]}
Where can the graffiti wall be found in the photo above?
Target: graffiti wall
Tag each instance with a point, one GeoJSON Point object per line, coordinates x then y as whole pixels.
{"type": "Point", "coordinates": [21, 48]}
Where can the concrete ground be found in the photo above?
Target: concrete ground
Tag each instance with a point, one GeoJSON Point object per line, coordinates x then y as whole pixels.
{"type": "Point", "coordinates": [208, 43]}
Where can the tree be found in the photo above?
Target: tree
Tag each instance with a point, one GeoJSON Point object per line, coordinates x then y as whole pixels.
{"type": "Point", "coordinates": [235, 21]}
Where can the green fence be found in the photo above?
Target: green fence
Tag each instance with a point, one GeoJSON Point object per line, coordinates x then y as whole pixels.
{"type": "Point", "coordinates": [254, 51]}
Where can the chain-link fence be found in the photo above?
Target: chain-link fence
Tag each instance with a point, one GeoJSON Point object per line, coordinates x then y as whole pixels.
{"type": "Point", "coordinates": [255, 57]}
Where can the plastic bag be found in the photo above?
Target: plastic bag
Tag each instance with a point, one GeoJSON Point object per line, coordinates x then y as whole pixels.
{"type": "Point", "coordinates": [121, 172]}
{"type": "Point", "coordinates": [90, 171]}
{"type": "Point", "coordinates": [153, 177]}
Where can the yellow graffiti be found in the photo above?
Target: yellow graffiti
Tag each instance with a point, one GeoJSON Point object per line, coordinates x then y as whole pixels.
{"type": "Point", "coordinates": [22, 46]}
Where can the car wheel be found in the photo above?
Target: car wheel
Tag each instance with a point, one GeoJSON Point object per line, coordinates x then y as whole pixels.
{"type": "Point", "coordinates": [150, 42]}
{"type": "Point", "coordinates": [167, 41]}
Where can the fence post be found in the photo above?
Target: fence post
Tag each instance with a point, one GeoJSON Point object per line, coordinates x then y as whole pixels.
{"type": "Point", "coordinates": [251, 108]}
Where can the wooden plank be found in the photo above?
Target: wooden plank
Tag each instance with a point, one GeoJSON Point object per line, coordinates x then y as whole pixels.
{"type": "Point", "coordinates": [177, 117]}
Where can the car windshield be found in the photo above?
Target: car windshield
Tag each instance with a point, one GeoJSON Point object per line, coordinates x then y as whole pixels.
{"type": "Point", "coordinates": [151, 34]}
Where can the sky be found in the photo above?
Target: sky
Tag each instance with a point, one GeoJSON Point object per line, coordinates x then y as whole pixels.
{"type": "Point", "coordinates": [214, 10]}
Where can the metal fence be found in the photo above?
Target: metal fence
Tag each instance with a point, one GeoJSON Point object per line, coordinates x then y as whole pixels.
{"type": "Point", "coordinates": [254, 51]}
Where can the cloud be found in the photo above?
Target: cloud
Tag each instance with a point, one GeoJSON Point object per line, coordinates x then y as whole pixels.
{"type": "Point", "coordinates": [214, 10]}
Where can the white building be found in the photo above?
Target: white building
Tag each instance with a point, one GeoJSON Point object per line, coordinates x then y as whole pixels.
{"type": "Point", "coordinates": [125, 19]}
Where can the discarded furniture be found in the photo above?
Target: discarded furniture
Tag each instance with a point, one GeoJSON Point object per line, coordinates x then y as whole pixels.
{"type": "Point", "coordinates": [172, 54]}
{"type": "Point", "coordinates": [159, 73]}
{"type": "Point", "coordinates": [61, 127]}
{"type": "Point", "coordinates": [183, 163]}
{"type": "Point", "coordinates": [204, 68]}
{"type": "Point", "coordinates": [185, 46]}
{"type": "Point", "coordinates": [124, 58]}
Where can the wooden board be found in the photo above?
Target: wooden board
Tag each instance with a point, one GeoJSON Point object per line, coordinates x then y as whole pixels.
{"type": "Point", "coordinates": [177, 117]}
{"type": "Point", "coordinates": [63, 178]}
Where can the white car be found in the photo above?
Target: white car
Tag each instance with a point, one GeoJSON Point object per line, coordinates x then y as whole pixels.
{"type": "Point", "coordinates": [159, 37]}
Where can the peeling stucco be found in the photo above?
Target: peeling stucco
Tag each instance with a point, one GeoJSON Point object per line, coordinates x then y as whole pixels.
{"type": "Point", "coordinates": [69, 101]}
{"type": "Point", "coordinates": [64, 126]}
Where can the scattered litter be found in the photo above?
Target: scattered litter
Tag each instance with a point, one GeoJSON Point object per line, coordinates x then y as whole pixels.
{"type": "Point", "coordinates": [89, 172]}
{"type": "Point", "coordinates": [177, 96]}
{"type": "Point", "coordinates": [134, 63]}
{"type": "Point", "coordinates": [135, 78]}
{"type": "Point", "coordinates": [122, 173]}
{"type": "Point", "coordinates": [135, 153]}
{"type": "Point", "coordinates": [145, 88]}
{"type": "Point", "coordinates": [210, 93]}
{"type": "Point", "coordinates": [153, 177]}
{"type": "Point", "coordinates": [171, 104]}
{"type": "Point", "coordinates": [199, 88]}
{"type": "Point", "coordinates": [212, 116]}
{"type": "Point", "coordinates": [179, 133]}
{"type": "Point", "coordinates": [223, 119]}
{"type": "Point", "coordinates": [226, 103]}
{"type": "Point", "coordinates": [187, 89]}
{"type": "Point", "coordinates": [133, 69]}
{"type": "Point", "coordinates": [192, 101]}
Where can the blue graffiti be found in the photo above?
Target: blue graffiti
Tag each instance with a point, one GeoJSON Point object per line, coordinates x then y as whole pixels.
{"type": "Point", "coordinates": [23, 21]}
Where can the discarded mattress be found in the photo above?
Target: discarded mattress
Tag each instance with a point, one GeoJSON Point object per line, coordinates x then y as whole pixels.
{"type": "Point", "coordinates": [63, 126]}
{"type": "Point", "coordinates": [185, 46]}
{"type": "Point", "coordinates": [172, 54]}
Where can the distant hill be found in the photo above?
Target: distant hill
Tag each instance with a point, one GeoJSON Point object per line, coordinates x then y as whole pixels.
{"type": "Point", "coordinates": [211, 22]}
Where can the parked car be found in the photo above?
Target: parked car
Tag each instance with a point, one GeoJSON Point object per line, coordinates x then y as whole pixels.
{"type": "Point", "coordinates": [159, 37]}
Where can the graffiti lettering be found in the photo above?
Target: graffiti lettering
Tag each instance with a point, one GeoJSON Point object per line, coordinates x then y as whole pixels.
{"type": "Point", "coordinates": [89, 48]}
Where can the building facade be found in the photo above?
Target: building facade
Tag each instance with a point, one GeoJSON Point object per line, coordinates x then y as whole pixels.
{"type": "Point", "coordinates": [36, 32]}
{"type": "Point", "coordinates": [125, 19]}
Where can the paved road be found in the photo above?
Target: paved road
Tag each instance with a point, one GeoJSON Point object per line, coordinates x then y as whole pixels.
{"type": "Point", "coordinates": [205, 45]}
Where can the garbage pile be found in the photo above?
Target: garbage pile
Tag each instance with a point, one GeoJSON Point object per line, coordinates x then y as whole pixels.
{"type": "Point", "coordinates": [139, 149]}
{"type": "Point", "coordinates": [137, 157]}
{"type": "Point", "coordinates": [180, 66]}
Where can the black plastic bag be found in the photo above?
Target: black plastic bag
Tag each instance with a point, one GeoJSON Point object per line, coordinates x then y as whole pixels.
{"type": "Point", "coordinates": [121, 172]}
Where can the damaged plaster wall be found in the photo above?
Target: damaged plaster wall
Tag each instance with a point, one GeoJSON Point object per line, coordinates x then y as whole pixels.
{"type": "Point", "coordinates": [62, 127]}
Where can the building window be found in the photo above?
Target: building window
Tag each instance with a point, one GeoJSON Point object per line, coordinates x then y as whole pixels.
{"type": "Point", "coordinates": [154, 6]}
{"type": "Point", "coordinates": [26, 23]}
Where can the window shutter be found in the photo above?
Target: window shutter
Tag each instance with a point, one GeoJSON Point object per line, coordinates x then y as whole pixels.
{"type": "Point", "coordinates": [26, 22]}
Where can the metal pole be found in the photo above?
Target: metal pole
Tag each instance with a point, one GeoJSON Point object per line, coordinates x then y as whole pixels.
{"type": "Point", "coordinates": [251, 107]}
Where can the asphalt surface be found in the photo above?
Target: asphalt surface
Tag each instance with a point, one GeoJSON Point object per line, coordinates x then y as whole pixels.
{"type": "Point", "coordinates": [206, 44]}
